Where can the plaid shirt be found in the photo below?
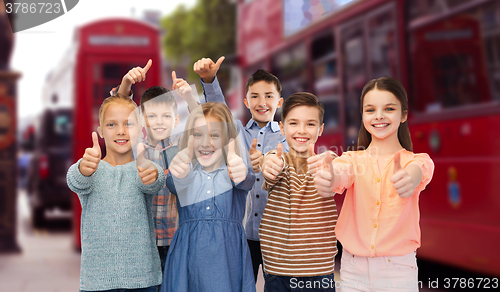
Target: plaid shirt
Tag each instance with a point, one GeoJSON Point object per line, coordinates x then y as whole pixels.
{"type": "Point", "coordinates": [164, 208]}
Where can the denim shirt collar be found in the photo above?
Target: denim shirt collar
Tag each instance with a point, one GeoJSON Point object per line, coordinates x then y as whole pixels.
{"type": "Point", "coordinates": [273, 125]}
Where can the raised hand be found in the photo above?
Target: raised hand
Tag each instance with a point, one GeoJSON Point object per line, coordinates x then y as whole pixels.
{"type": "Point", "coordinates": [207, 69]}
{"type": "Point", "coordinates": [323, 179]}
{"type": "Point", "coordinates": [91, 158]}
{"type": "Point", "coordinates": [147, 171]}
{"type": "Point", "coordinates": [403, 182]}
{"type": "Point", "coordinates": [255, 156]}
{"type": "Point", "coordinates": [273, 164]}
{"type": "Point", "coordinates": [138, 74]}
{"type": "Point", "coordinates": [181, 164]}
{"type": "Point", "coordinates": [235, 165]}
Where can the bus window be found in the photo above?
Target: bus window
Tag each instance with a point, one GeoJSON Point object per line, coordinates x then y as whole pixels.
{"type": "Point", "coordinates": [461, 58]}
{"type": "Point", "coordinates": [382, 50]}
{"type": "Point", "coordinates": [326, 80]}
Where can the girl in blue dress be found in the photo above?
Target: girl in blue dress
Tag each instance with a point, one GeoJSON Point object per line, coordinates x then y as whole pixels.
{"type": "Point", "coordinates": [210, 179]}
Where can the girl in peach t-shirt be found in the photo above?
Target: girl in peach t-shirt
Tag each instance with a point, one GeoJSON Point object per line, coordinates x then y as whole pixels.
{"type": "Point", "coordinates": [379, 222]}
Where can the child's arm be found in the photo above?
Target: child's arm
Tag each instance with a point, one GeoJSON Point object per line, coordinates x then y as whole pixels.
{"type": "Point", "coordinates": [238, 171]}
{"type": "Point", "coordinates": [184, 90]}
{"type": "Point", "coordinates": [207, 70]}
{"type": "Point", "coordinates": [133, 76]}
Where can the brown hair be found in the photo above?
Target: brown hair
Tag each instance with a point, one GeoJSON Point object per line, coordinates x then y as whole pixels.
{"type": "Point", "coordinates": [156, 95]}
{"type": "Point", "coordinates": [396, 88]}
{"type": "Point", "coordinates": [302, 99]}
{"type": "Point", "coordinates": [221, 112]}
{"type": "Point", "coordinates": [117, 99]}
{"type": "Point", "coordinates": [263, 75]}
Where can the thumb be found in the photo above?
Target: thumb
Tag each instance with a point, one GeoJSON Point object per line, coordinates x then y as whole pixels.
{"type": "Point", "coordinates": [328, 162]}
{"type": "Point", "coordinates": [148, 65]}
{"type": "Point", "coordinates": [254, 146]}
{"type": "Point", "coordinates": [219, 62]}
{"type": "Point", "coordinates": [311, 150]}
{"type": "Point", "coordinates": [96, 141]}
{"type": "Point", "coordinates": [174, 77]}
{"type": "Point", "coordinates": [279, 149]}
{"type": "Point", "coordinates": [190, 146]}
{"type": "Point", "coordinates": [397, 162]}
{"type": "Point", "coordinates": [140, 154]}
{"type": "Point", "coordinates": [230, 148]}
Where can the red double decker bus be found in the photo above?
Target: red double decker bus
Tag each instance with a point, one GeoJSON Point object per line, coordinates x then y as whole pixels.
{"type": "Point", "coordinates": [101, 54]}
{"type": "Point", "coordinates": [447, 55]}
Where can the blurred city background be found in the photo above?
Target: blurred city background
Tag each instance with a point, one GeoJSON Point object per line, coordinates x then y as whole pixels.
{"type": "Point", "coordinates": [53, 78]}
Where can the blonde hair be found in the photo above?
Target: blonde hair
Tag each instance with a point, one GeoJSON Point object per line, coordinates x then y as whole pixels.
{"type": "Point", "coordinates": [117, 99]}
{"type": "Point", "coordinates": [220, 112]}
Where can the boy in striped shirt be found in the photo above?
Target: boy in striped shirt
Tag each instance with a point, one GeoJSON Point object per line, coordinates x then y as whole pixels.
{"type": "Point", "coordinates": [297, 231]}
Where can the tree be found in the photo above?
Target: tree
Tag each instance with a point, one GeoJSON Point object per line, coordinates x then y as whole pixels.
{"type": "Point", "coordinates": [206, 30]}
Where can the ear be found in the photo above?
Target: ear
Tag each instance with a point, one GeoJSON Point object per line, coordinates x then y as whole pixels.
{"type": "Point", "coordinates": [404, 116]}
{"type": "Point", "coordinates": [245, 101]}
{"type": "Point", "coordinates": [321, 129]}
{"type": "Point", "coordinates": [282, 129]}
{"type": "Point", "coordinates": [280, 103]}
{"type": "Point", "coordinates": [176, 122]}
{"type": "Point", "coordinates": [99, 130]}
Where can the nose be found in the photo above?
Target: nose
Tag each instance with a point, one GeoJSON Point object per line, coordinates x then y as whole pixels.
{"type": "Point", "coordinates": [121, 130]}
{"type": "Point", "coordinates": [379, 115]}
{"type": "Point", "coordinates": [262, 101]}
{"type": "Point", "coordinates": [302, 128]}
{"type": "Point", "coordinates": [206, 141]}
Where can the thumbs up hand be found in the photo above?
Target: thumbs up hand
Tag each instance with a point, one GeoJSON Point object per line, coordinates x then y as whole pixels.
{"type": "Point", "coordinates": [403, 182]}
{"type": "Point", "coordinates": [323, 180]}
{"type": "Point", "coordinates": [255, 156]}
{"type": "Point", "coordinates": [91, 158]}
{"type": "Point", "coordinates": [133, 76]}
{"type": "Point", "coordinates": [147, 171]}
{"type": "Point", "coordinates": [314, 162]}
{"type": "Point", "coordinates": [273, 164]}
{"type": "Point", "coordinates": [181, 85]}
{"type": "Point", "coordinates": [181, 164]}
{"type": "Point", "coordinates": [207, 69]}
{"type": "Point", "coordinates": [235, 166]}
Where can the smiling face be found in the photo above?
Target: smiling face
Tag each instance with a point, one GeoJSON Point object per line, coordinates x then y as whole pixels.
{"type": "Point", "coordinates": [301, 128]}
{"type": "Point", "coordinates": [263, 100]}
{"type": "Point", "coordinates": [159, 120]}
{"type": "Point", "coordinates": [119, 130]}
{"type": "Point", "coordinates": [382, 115]}
{"type": "Point", "coordinates": [208, 142]}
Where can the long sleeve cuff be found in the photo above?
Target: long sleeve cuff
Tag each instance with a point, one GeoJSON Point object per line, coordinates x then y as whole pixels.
{"type": "Point", "coordinates": [212, 91]}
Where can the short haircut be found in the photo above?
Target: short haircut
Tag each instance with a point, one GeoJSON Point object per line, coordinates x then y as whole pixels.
{"type": "Point", "coordinates": [302, 99]}
{"type": "Point", "coordinates": [263, 75]}
{"type": "Point", "coordinates": [157, 95]}
{"type": "Point", "coordinates": [116, 99]}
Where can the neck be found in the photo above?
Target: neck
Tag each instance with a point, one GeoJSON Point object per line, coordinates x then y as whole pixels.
{"type": "Point", "coordinates": [115, 159]}
{"type": "Point", "coordinates": [384, 147]}
{"type": "Point", "coordinates": [261, 124]}
{"type": "Point", "coordinates": [152, 142]}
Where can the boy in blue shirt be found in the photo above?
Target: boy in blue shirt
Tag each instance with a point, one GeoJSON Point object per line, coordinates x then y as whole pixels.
{"type": "Point", "coordinates": [260, 135]}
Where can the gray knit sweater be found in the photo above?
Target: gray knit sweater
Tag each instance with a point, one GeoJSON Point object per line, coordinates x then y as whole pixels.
{"type": "Point", "coordinates": [118, 236]}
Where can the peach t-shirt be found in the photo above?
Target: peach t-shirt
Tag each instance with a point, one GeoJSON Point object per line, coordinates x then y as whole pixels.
{"type": "Point", "coordinates": [374, 220]}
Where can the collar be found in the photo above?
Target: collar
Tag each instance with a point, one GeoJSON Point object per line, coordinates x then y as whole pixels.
{"type": "Point", "coordinates": [273, 125]}
{"type": "Point", "coordinates": [162, 145]}
{"type": "Point", "coordinates": [198, 166]}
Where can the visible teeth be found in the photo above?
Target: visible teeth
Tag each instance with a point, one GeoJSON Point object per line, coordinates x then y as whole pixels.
{"type": "Point", "coordinates": [301, 139]}
{"type": "Point", "coordinates": [380, 125]}
{"type": "Point", "coordinates": [121, 141]}
{"type": "Point", "coordinates": [205, 152]}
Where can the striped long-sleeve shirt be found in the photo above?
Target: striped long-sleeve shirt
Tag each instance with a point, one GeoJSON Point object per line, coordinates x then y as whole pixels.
{"type": "Point", "coordinates": [297, 231]}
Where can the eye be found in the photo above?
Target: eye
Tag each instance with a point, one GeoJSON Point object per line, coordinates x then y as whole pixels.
{"type": "Point", "coordinates": [311, 124]}
{"type": "Point", "coordinates": [215, 135]}
{"type": "Point", "coordinates": [253, 96]}
{"type": "Point", "coordinates": [151, 116]}
{"type": "Point", "coordinates": [293, 123]}
{"type": "Point", "coordinates": [269, 96]}
{"type": "Point", "coordinates": [130, 124]}
{"type": "Point", "coordinates": [390, 109]}
{"type": "Point", "coordinates": [110, 125]}
{"type": "Point", "coordinates": [167, 116]}
{"type": "Point", "coordinates": [197, 135]}
{"type": "Point", "coordinates": [369, 110]}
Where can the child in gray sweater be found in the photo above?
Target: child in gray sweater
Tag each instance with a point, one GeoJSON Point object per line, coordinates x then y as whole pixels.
{"type": "Point", "coordinates": [117, 230]}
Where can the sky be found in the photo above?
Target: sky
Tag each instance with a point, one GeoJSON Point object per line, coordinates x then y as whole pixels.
{"type": "Point", "coordinates": [39, 49]}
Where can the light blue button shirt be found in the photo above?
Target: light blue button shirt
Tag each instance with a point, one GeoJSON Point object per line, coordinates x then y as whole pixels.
{"type": "Point", "coordinates": [268, 139]}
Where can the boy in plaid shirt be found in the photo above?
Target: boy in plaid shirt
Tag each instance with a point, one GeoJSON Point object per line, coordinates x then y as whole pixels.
{"type": "Point", "coordinates": [159, 118]}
